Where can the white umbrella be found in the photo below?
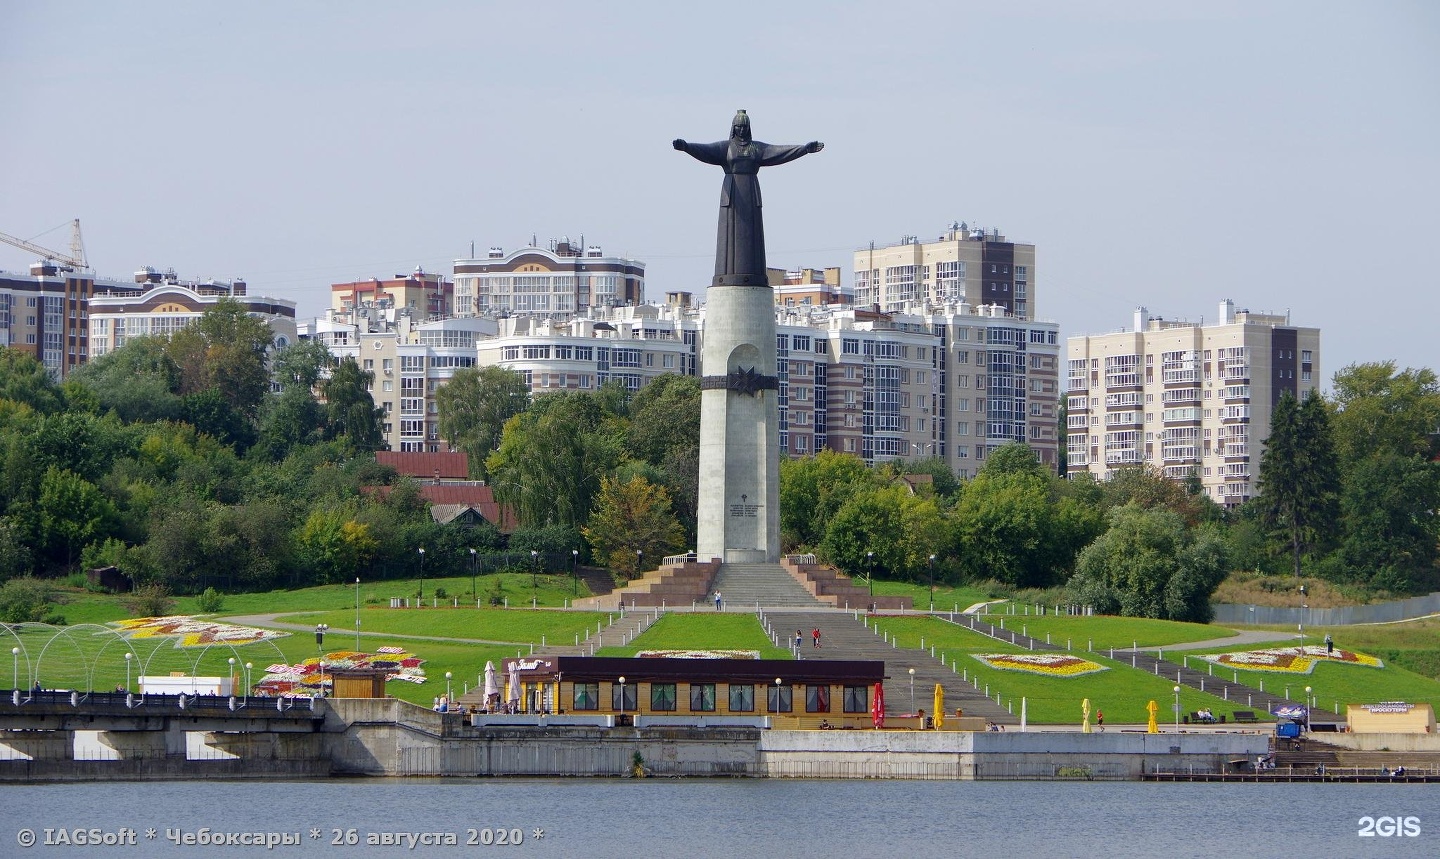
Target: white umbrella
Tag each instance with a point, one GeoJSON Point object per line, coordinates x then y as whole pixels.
{"type": "Point", "coordinates": [492, 685]}
{"type": "Point", "coordinates": [515, 683]}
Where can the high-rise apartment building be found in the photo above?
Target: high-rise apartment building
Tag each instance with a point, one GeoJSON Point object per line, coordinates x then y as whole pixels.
{"type": "Point", "coordinates": [421, 295]}
{"type": "Point", "coordinates": [1187, 398]}
{"type": "Point", "coordinates": [560, 280]}
{"type": "Point", "coordinates": [963, 265]}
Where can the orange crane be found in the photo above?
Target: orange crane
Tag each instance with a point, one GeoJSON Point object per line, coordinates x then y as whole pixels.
{"type": "Point", "coordinates": [68, 262]}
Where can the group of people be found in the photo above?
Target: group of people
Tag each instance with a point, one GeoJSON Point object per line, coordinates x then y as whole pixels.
{"type": "Point", "coordinates": [1204, 716]}
{"type": "Point", "coordinates": [814, 637]}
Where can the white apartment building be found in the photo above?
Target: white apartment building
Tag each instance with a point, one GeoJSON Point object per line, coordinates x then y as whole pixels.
{"type": "Point", "coordinates": [976, 267]}
{"type": "Point", "coordinates": [1186, 397]}
{"type": "Point", "coordinates": [561, 279]}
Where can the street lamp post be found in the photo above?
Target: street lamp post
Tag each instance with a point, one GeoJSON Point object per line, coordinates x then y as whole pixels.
{"type": "Point", "coordinates": [320, 651]}
{"type": "Point", "coordinates": [474, 593]}
{"type": "Point", "coordinates": [575, 572]}
{"type": "Point", "coordinates": [128, 656]}
{"type": "Point", "coordinates": [870, 572]}
{"type": "Point", "coordinates": [422, 577]}
{"type": "Point", "coordinates": [357, 613]}
{"type": "Point", "coordinates": [1308, 706]}
{"type": "Point", "coordinates": [15, 668]}
{"type": "Point", "coordinates": [534, 577]}
{"type": "Point", "coordinates": [248, 667]}
{"type": "Point", "coordinates": [932, 582]}
{"type": "Point", "coordinates": [777, 695]}
{"type": "Point", "coordinates": [622, 698]}
{"type": "Point", "coordinates": [447, 690]}
{"type": "Point", "coordinates": [231, 662]}
{"type": "Point", "coordinates": [639, 560]}
{"type": "Point", "coordinates": [912, 690]}
{"type": "Point", "coordinates": [1177, 709]}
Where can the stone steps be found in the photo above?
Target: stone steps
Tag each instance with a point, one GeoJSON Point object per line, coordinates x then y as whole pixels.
{"type": "Point", "coordinates": [746, 587]}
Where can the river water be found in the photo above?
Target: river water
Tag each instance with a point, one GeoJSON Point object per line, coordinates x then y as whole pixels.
{"type": "Point", "coordinates": [745, 818]}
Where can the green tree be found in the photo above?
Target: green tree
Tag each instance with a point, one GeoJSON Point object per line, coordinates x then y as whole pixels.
{"type": "Point", "coordinates": [333, 546]}
{"type": "Point", "coordinates": [632, 517]}
{"type": "Point", "coordinates": [24, 380]}
{"type": "Point", "coordinates": [581, 444]}
{"type": "Point", "coordinates": [14, 554]}
{"type": "Point", "coordinates": [861, 535]}
{"type": "Point", "coordinates": [301, 364]}
{"type": "Point", "coordinates": [1299, 474]}
{"type": "Point", "coordinates": [224, 350]}
{"type": "Point", "coordinates": [474, 407]}
{"type": "Point", "coordinates": [664, 417]}
{"type": "Point", "coordinates": [813, 488]}
{"type": "Point", "coordinates": [138, 381]}
{"type": "Point", "coordinates": [350, 412]}
{"type": "Point", "coordinates": [1392, 535]}
{"type": "Point", "coordinates": [1126, 570]}
{"type": "Point", "coordinates": [26, 600]}
{"type": "Point", "coordinates": [1381, 410]}
{"type": "Point", "coordinates": [72, 510]}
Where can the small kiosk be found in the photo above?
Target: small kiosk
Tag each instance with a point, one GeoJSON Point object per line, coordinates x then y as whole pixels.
{"type": "Point", "coordinates": [359, 682]}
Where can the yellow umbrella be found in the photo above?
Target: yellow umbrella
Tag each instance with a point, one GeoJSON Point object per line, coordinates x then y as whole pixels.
{"type": "Point", "coordinates": [939, 706]}
{"type": "Point", "coordinates": [1152, 728]}
{"type": "Point", "coordinates": [1085, 712]}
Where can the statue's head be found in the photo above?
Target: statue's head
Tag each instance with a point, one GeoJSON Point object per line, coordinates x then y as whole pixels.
{"type": "Point", "coordinates": [740, 127]}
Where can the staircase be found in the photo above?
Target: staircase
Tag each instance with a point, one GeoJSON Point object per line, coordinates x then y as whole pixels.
{"type": "Point", "coordinates": [744, 587]}
{"type": "Point", "coordinates": [842, 637]}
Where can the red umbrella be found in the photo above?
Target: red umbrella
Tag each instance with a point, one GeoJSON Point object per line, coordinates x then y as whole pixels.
{"type": "Point", "coordinates": [877, 706]}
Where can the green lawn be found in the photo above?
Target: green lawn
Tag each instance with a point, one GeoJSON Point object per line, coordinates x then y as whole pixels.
{"type": "Point", "coordinates": [1102, 632]}
{"type": "Point", "coordinates": [485, 624]}
{"type": "Point", "coordinates": [702, 631]}
{"type": "Point", "coordinates": [947, 597]}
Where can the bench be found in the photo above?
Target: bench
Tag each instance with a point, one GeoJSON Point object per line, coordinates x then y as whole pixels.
{"type": "Point", "coordinates": [1244, 716]}
{"type": "Point", "coordinates": [1196, 719]}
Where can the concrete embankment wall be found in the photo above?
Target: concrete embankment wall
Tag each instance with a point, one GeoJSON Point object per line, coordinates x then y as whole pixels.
{"type": "Point", "coordinates": [392, 738]}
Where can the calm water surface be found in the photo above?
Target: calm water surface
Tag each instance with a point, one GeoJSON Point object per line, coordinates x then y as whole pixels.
{"type": "Point", "coordinates": [744, 818]}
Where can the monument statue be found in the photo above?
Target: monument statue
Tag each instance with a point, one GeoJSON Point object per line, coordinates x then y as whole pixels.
{"type": "Point", "coordinates": [740, 239]}
{"type": "Point", "coordinates": [738, 518]}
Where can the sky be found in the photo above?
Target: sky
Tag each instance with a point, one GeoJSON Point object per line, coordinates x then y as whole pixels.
{"type": "Point", "coordinates": [1285, 155]}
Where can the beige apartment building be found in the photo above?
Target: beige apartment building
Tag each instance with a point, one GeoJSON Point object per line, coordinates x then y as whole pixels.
{"type": "Point", "coordinates": [976, 267]}
{"type": "Point", "coordinates": [1187, 398]}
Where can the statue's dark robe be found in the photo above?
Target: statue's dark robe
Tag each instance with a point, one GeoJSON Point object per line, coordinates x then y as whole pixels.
{"type": "Point", "coordinates": [740, 238]}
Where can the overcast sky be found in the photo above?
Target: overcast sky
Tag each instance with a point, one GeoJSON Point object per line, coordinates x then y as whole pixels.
{"type": "Point", "coordinates": [1284, 155]}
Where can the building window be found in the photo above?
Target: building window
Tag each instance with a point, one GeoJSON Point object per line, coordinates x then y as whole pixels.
{"type": "Point", "coordinates": [702, 697]}
{"type": "Point", "coordinates": [817, 699]}
{"type": "Point", "coordinates": [662, 697]}
{"type": "Point", "coordinates": [742, 698]}
{"type": "Point", "coordinates": [587, 696]}
{"type": "Point", "coordinates": [779, 699]}
{"type": "Point", "coordinates": [857, 699]}
{"type": "Point", "coordinates": [632, 698]}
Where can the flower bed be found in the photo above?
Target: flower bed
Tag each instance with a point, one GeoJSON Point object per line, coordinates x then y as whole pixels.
{"type": "Point", "coordinates": [1046, 664]}
{"type": "Point", "coordinates": [699, 654]}
{"type": "Point", "coordinates": [190, 632]}
{"type": "Point", "coordinates": [306, 679]}
{"type": "Point", "coordinates": [1290, 660]}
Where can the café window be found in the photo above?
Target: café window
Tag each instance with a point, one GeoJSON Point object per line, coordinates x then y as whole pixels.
{"type": "Point", "coordinates": [702, 697]}
{"type": "Point", "coordinates": [817, 699]}
{"type": "Point", "coordinates": [742, 698]}
{"type": "Point", "coordinates": [662, 697]}
{"type": "Point", "coordinates": [780, 699]}
{"type": "Point", "coordinates": [857, 699]}
{"type": "Point", "coordinates": [632, 698]}
{"type": "Point", "coordinates": [587, 696]}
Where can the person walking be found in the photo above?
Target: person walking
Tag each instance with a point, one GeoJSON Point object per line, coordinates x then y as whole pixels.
{"type": "Point", "coordinates": [717, 600]}
{"type": "Point", "coordinates": [799, 639]}
{"type": "Point", "coordinates": [1329, 645]}
{"type": "Point", "coordinates": [815, 635]}
{"type": "Point", "coordinates": [1100, 718]}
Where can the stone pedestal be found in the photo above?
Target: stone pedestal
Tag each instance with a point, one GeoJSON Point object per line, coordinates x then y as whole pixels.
{"type": "Point", "coordinates": [739, 509]}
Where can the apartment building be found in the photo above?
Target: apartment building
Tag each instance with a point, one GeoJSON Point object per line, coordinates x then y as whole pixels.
{"type": "Point", "coordinates": [561, 279]}
{"type": "Point", "coordinates": [45, 314]}
{"type": "Point", "coordinates": [160, 303]}
{"type": "Point", "coordinates": [1186, 397]}
{"type": "Point", "coordinates": [809, 287]}
{"type": "Point", "coordinates": [421, 294]}
{"type": "Point", "coordinates": [976, 267]}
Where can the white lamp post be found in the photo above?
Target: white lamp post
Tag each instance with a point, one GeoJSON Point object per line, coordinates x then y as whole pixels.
{"type": "Point", "coordinates": [231, 661]}
{"type": "Point", "coordinates": [447, 689]}
{"type": "Point", "coordinates": [912, 690]}
{"type": "Point", "coordinates": [932, 582]}
{"type": "Point", "coordinates": [248, 666]}
{"type": "Point", "coordinates": [320, 653]}
{"type": "Point", "coordinates": [422, 577]}
{"type": "Point", "coordinates": [622, 697]}
{"type": "Point", "coordinates": [128, 656]}
{"type": "Point", "coordinates": [777, 695]}
{"type": "Point", "coordinates": [1309, 705]}
{"type": "Point", "coordinates": [357, 613]}
{"type": "Point", "coordinates": [1177, 709]}
{"type": "Point", "coordinates": [15, 660]}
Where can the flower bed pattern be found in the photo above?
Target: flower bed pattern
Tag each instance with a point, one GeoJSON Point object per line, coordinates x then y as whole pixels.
{"type": "Point", "coordinates": [190, 632]}
{"type": "Point", "coordinates": [306, 679]}
{"type": "Point", "coordinates": [1046, 664]}
{"type": "Point", "coordinates": [699, 654]}
{"type": "Point", "coordinates": [1290, 660]}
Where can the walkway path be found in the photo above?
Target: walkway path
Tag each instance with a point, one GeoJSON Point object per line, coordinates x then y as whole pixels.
{"type": "Point", "coordinates": [269, 620]}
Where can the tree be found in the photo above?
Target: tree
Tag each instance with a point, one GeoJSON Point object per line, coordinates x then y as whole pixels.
{"type": "Point", "coordinates": [300, 364]}
{"type": "Point", "coordinates": [1392, 535]}
{"type": "Point", "coordinates": [581, 445]}
{"type": "Point", "coordinates": [474, 407]}
{"type": "Point", "coordinates": [632, 517]}
{"type": "Point", "coordinates": [14, 554]}
{"type": "Point", "coordinates": [350, 412]}
{"type": "Point", "coordinates": [1126, 570]}
{"type": "Point", "coordinates": [224, 350]}
{"type": "Point", "coordinates": [138, 381]}
{"type": "Point", "coordinates": [1299, 474]}
{"type": "Point", "coordinates": [813, 488]}
{"type": "Point", "coordinates": [72, 510]}
{"type": "Point", "coordinates": [24, 380]}
{"type": "Point", "coordinates": [26, 600]}
{"type": "Point", "coordinates": [333, 546]}
{"type": "Point", "coordinates": [861, 535]}
{"type": "Point", "coordinates": [664, 417]}
{"type": "Point", "coordinates": [1380, 410]}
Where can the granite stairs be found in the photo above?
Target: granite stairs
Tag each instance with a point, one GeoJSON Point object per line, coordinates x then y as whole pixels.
{"type": "Point", "coordinates": [843, 637]}
{"type": "Point", "coordinates": [748, 587]}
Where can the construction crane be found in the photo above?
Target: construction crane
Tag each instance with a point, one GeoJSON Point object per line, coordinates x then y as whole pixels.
{"type": "Point", "coordinates": [68, 262]}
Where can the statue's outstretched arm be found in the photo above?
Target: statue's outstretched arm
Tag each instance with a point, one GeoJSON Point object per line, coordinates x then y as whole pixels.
{"type": "Point", "coordinates": [710, 153]}
{"type": "Point", "coordinates": [773, 154]}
